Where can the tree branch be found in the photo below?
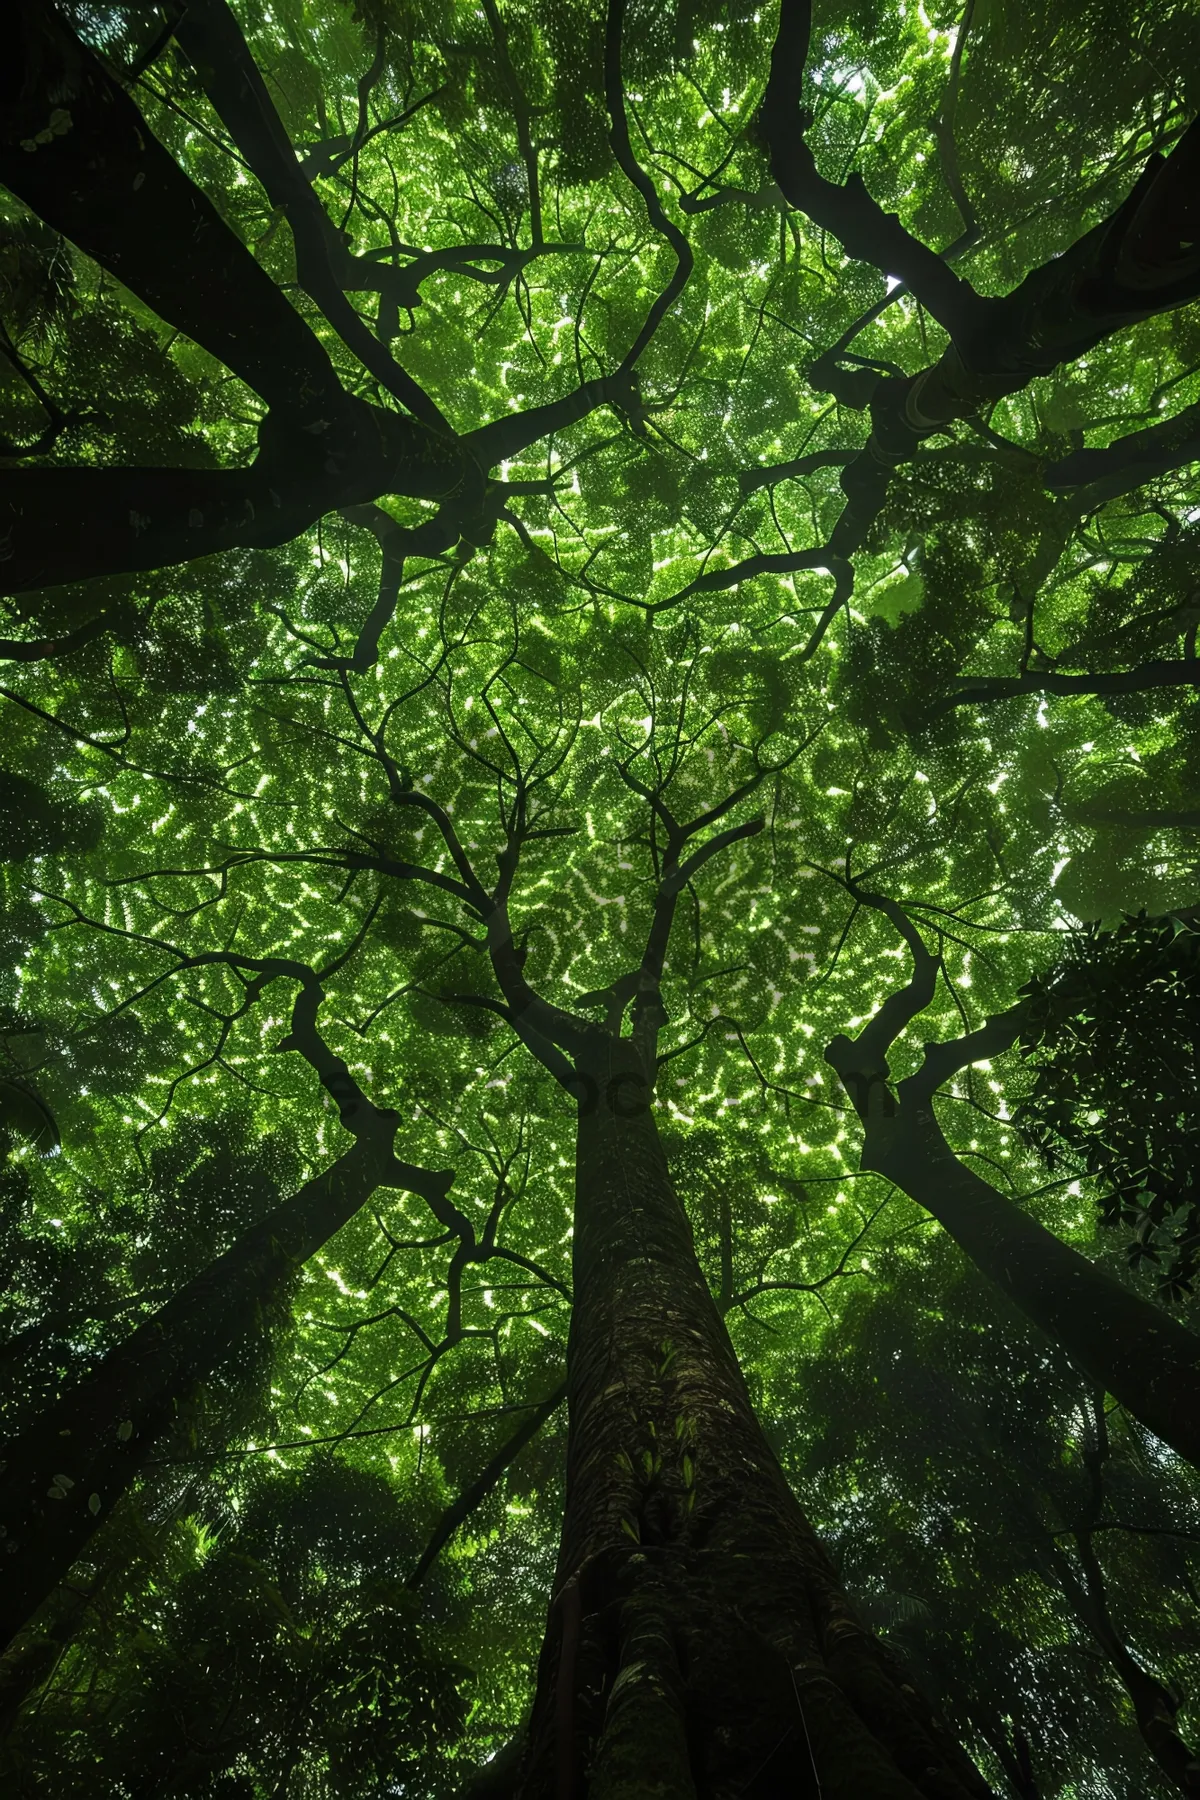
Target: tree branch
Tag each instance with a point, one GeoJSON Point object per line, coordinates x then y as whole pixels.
{"type": "Point", "coordinates": [614, 96]}
{"type": "Point", "coordinates": [212, 40]}
{"type": "Point", "coordinates": [942, 1060]}
{"type": "Point", "coordinates": [861, 1063]}
{"type": "Point", "coordinates": [109, 186]}
{"type": "Point", "coordinates": [461, 1509]}
{"type": "Point", "coordinates": [1130, 461]}
{"type": "Point", "coordinates": [847, 210]}
{"type": "Point", "coordinates": [983, 690]}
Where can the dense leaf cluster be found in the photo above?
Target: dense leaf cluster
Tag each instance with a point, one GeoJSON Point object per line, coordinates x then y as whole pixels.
{"type": "Point", "coordinates": [1113, 1037]}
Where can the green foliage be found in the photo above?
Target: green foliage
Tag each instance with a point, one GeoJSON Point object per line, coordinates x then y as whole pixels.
{"type": "Point", "coordinates": [37, 277]}
{"type": "Point", "coordinates": [957, 1469]}
{"type": "Point", "coordinates": [34, 823]}
{"type": "Point", "coordinates": [288, 1642]}
{"type": "Point", "coordinates": [253, 781]}
{"type": "Point", "coordinates": [1113, 1039]}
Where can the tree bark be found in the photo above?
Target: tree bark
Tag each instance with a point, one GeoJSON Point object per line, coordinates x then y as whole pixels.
{"type": "Point", "coordinates": [697, 1642]}
{"type": "Point", "coordinates": [60, 1478]}
{"type": "Point", "coordinates": [981, 690]}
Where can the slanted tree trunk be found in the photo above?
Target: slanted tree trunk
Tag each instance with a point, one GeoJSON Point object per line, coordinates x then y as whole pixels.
{"type": "Point", "coordinates": [1135, 1350]}
{"type": "Point", "coordinates": [75, 148]}
{"type": "Point", "coordinates": [698, 1642]}
{"type": "Point", "coordinates": [62, 1475]}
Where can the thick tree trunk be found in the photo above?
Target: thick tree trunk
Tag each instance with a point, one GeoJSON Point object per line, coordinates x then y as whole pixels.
{"type": "Point", "coordinates": [698, 1642]}
{"type": "Point", "coordinates": [1136, 1351]}
{"type": "Point", "coordinates": [60, 1478]}
{"type": "Point", "coordinates": [75, 148]}
{"type": "Point", "coordinates": [76, 524]}
{"type": "Point", "coordinates": [211, 38]}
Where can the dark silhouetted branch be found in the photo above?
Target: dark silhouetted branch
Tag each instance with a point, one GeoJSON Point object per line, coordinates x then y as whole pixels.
{"type": "Point", "coordinates": [461, 1509]}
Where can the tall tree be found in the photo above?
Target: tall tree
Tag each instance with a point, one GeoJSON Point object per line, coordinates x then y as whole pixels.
{"type": "Point", "coordinates": [56, 1493]}
{"type": "Point", "coordinates": [1132, 1348]}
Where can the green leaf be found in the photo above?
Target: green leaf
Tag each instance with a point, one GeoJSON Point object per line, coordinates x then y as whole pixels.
{"type": "Point", "coordinates": [891, 601]}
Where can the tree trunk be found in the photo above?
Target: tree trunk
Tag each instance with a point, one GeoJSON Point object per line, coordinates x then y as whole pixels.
{"type": "Point", "coordinates": [122, 520]}
{"type": "Point", "coordinates": [210, 37]}
{"type": "Point", "coordinates": [1011, 1750]}
{"type": "Point", "coordinates": [1154, 1707]}
{"type": "Point", "coordinates": [1136, 1351]}
{"type": "Point", "coordinates": [698, 1643]}
{"type": "Point", "coordinates": [60, 1478]}
{"type": "Point", "coordinates": [76, 150]}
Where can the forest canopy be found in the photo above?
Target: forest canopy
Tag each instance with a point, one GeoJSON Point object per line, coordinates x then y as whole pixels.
{"type": "Point", "coordinates": [599, 791]}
